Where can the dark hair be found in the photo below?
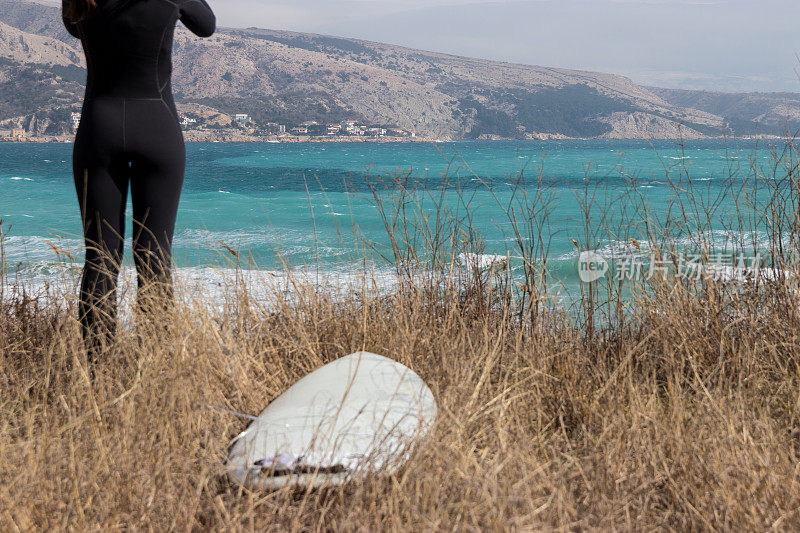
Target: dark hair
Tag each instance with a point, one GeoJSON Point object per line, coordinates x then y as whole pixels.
{"type": "Point", "coordinates": [79, 9]}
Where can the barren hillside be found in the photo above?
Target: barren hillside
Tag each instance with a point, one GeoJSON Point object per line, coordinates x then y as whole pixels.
{"type": "Point", "coordinates": [292, 77]}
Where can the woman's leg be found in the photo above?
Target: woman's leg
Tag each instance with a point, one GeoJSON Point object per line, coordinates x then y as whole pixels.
{"type": "Point", "coordinates": [158, 160]}
{"type": "Point", "coordinates": [102, 194]}
{"type": "Point", "coordinates": [156, 184]}
{"type": "Point", "coordinates": [155, 192]}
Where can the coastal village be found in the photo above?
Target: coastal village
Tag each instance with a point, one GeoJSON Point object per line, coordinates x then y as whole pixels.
{"type": "Point", "coordinates": [352, 128]}
{"type": "Point", "coordinates": [217, 126]}
{"type": "Point", "coordinates": [204, 124]}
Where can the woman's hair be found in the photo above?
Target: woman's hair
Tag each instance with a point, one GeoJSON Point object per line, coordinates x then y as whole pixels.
{"type": "Point", "coordinates": [79, 9]}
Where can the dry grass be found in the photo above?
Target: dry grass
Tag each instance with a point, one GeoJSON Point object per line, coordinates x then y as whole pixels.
{"type": "Point", "coordinates": [683, 415]}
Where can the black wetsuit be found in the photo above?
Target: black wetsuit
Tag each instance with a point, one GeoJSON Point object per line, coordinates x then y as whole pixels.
{"type": "Point", "coordinates": [129, 134]}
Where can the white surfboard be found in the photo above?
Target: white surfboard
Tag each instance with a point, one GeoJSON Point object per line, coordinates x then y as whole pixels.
{"type": "Point", "coordinates": [358, 415]}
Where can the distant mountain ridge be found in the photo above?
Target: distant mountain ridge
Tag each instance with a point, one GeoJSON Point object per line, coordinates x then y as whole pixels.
{"type": "Point", "coordinates": [292, 77]}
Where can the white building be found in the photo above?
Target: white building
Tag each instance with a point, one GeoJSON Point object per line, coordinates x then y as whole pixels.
{"type": "Point", "coordinates": [76, 120]}
{"type": "Point", "coordinates": [352, 127]}
{"type": "Point", "coordinates": [399, 132]}
{"type": "Point", "coordinates": [300, 130]}
{"type": "Point", "coordinates": [241, 118]}
{"type": "Point", "coordinates": [185, 121]}
{"type": "Point", "coordinates": [274, 128]}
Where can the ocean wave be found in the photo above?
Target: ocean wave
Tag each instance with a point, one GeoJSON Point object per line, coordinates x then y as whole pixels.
{"type": "Point", "coordinates": [727, 241]}
{"type": "Point", "coordinates": [194, 237]}
{"type": "Point", "coordinates": [209, 286]}
{"type": "Point", "coordinates": [717, 241]}
{"type": "Point", "coordinates": [195, 245]}
{"type": "Point", "coordinates": [613, 250]}
{"type": "Point", "coordinates": [18, 248]}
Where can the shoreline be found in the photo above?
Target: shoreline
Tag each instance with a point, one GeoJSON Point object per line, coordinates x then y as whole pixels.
{"type": "Point", "coordinates": [242, 139]}
{"type": "Point", "coordinates": [266, 287]}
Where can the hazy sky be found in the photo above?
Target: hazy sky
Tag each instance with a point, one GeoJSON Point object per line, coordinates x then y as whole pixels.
{"type": "Point", "coordinates": [732, 45]}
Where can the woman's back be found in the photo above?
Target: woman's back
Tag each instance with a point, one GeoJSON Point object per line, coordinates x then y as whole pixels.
{"type": "Point", "coordinates": [128, 44]}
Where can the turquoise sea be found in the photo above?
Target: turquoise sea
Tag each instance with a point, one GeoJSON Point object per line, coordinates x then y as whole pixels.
{"type": "Point", "coordinates": [311, 204]}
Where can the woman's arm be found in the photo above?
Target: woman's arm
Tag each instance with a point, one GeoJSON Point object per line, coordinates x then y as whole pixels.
{"type": "Point", "coordinates": [72, 27]}
{"type": "Point", "coordinates": [198, 17]}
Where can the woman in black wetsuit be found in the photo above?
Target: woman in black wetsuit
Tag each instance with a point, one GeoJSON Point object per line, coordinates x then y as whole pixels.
{"type": "Point", "coordinates": [128, 134]}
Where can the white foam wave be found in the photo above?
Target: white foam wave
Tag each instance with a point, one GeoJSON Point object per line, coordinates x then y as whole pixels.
{"type": "Point", "coordinates": [297, 243]}
{"type": "Point", "coordinates": [208, 286]}
{"type": "Point", "coordinates": [211, 239]}
{"type": "Point", "coordinates": [614, 250]}
{"type": "Point", "coordinates": [718, 240]}
{"type": "Point", "coordinates": [36, 248]}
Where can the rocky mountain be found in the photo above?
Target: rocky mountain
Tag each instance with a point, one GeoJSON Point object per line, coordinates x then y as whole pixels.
{"type": "Point", "coordinates": [774, 112]}
{"type": "Point", "coordinates": [290, 77]}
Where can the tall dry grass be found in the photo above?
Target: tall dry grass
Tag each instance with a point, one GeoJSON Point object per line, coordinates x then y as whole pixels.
{"type": "Point", "coordinates": [662, 405]}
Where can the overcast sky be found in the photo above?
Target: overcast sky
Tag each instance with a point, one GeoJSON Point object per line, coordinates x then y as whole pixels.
{"type": "Point", "coordinates": [731, 45]}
